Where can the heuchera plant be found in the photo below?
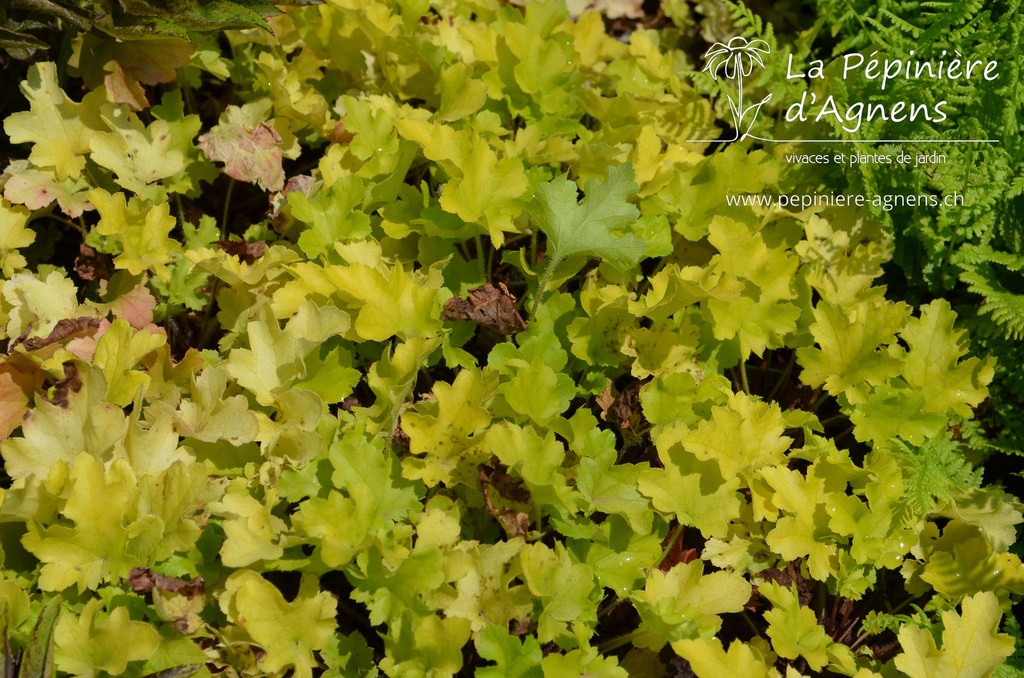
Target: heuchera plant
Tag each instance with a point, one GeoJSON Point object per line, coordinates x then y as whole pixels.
{"type": "Point", "coordinates": [412, 338]}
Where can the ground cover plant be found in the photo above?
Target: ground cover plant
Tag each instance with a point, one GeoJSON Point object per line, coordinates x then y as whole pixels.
{"type": "Point", "coordinates": [417, 339]}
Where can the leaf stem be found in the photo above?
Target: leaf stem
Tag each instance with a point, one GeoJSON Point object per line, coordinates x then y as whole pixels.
{"type": "Point", "coordinates": [480, 259]}
{"type": "Point", "coordinates": [227, 206]}
{"type": "Point", "coordinates": [548, 272]}
{"type": "Point", "coordinates": [671, 542]}
{"type": "Point", "coordinates": [743, 377]}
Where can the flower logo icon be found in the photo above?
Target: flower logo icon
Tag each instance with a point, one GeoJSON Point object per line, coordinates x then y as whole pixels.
{"type": "Point", "coordinates": [738, 59]}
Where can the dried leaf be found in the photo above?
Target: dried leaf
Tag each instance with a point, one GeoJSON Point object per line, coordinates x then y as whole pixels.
{"type": "Point", "coordinates": [71, 383]}
{"type": "Point", "coordinates": [92, 265]}
{"type": "Point", "coordinates": [490, 306]}
{"type": "Point", "coordinates": [248, 252]}
{"type": "Point", "coordinates": [144, 580]}
{"type": "Point", "coordinates": [64, 329]}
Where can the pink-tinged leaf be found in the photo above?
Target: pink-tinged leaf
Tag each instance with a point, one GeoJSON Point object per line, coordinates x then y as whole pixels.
{"type": "Point", "coordinates": [84, 348]}
{"type": "Point", "coordinates": [123, 88]}
{"type": "Point", "coordinates": [36, 189]}
{"type": "Point", "coordinates": [249, 154]}
{"type": "Point", "coordinates": [13, 405]}
{"type": "Point", "coordinates": [137, 308]}
{"type": "Point", "coordinates": [125, 66]}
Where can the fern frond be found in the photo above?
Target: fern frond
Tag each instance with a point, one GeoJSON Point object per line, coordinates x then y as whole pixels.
{"type": "Point", "coordinates": [933, 473]}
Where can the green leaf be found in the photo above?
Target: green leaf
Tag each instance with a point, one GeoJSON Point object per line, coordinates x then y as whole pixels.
{"type": "Point", "coordinates": [599, 225]}
{"type": "Point", "coordinates": [512, 657]}
{"type": "Point", "coordinates": [274, 358]}
{"type": "Point", "coordinates": [709, 660]}
{"type": "Point", "coordinates": [430, 647]}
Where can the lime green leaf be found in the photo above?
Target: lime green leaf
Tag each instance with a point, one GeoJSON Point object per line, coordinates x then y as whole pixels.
{"type": "Point", "coordinates": [275, 357]}
{"type": "Point", "coordinates": [101, 546]}
{"type": "Point", "coordinates": [141, 230]}
{"type": "Point", "coordinates": [36, 303]}
{"type": "Point", "coordinates": [490, 591]}
{"type": "Point", "coordinates": [339, 525]}
{"type": "Point", "coordinates": [333, 215]}
{"type": "Point", "coordinates": [118, 351]}
{"type": "Point", "coordinates": [391, 591]}
{"type": "Point", "coordinates": [90, 644]}
{"type": "Point", "coordinates": [794, 629]}
{"type": "Point", "coordinates": [612, 488]}
{"type": "Point", "coordinates": [489, 192]}
{"type": "Point", "coordinates": [330, 373]}
{"type": "Point", "coordinates": [13, 236]}
{"type": "Point", "coordinates": [52, 434]}
{"type": "Point", "coordinates": [252, 533]}
{"type": "Point", "coordinates": [139, 155]}
{"type": "Point", "coordinates": [971, 644]}
{"type": "Point", "coordinates": [371, 473]}
{"type": "Point", "coordinates": [565, 588]}
{"type": "Point", "coordinates": [430, 647]}
{"type": "Point", "coordinates": [620, 557]}
{"type": "Point", "coordinates": [587, 662]}
{"type": "Point", "coordinates": [741, 437]}
{"type": "Point", "coordinates": [805, 531]}
{"type": "Point", "coordinates": [761, 318]}
{"type": "Point", "coordinates": [853, 343]}
{"type": "Point", "coordinates": [934, 364]}
{"type": "Point", "coordinates": [289, 633]}
{"type": "Point", "coordinates": [538, 461]}
{"type": "Point", "coordinates": [209, 416]}
{"type": "Point", "coordinates": [685, 603]}
{"type": "Point", "coordinates": [443, 432]}
{"type": "Point", "coordinates": [58, 129]}
{"type": "Point", "coordinates": [598, 225]}
{"type": "Point", "coordinates": [709, 660]}
{"type": "Point", "coordinates": [695, 491]}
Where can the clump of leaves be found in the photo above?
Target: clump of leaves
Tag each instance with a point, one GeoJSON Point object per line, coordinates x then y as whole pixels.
{"type": "Point", "coordinates": [272, 405]}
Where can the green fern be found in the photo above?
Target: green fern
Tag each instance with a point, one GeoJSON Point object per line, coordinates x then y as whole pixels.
{"type": "Point", "coordinates": [934, 472]}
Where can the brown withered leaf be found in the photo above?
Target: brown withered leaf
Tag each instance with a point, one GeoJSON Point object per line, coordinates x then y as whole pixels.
{"type": "Point", "coordinates": [788, 577]}
{"type": "Point", "coordinates": [490, 306]}
{"type": "Point", "coordinates": [144, 580]}
{"type": "Point", "coordinates": [71, 383]}
{"type": "Point", "coordinates": [303, 183]}
{"type": "Point", "coordinates": [625, 409]}
{"type": "Point", "coordinates": [92, 265]}
{"type": "Point", "coordinates": [508, 487]}
{"type": "Point", "coordinates": [66, 328]}
{"type": "Point", "coordinates": [246, 251]}
{"type": "Point", "coordinates": [516, 523]}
